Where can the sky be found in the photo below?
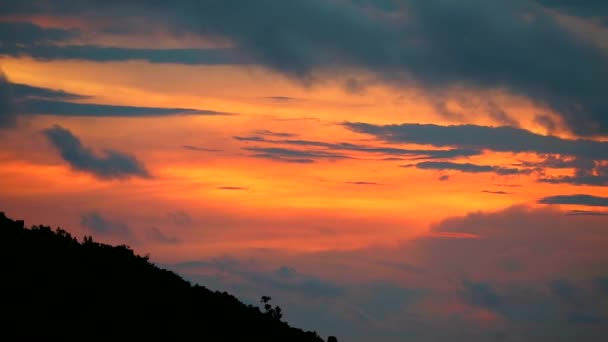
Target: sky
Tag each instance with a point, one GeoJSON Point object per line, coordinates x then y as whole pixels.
{"type": "Point", "coordinates": [385, 170]}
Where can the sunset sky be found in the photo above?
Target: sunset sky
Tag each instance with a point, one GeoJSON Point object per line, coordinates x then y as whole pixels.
{"type": "Point", "coordinates": [386, 170]}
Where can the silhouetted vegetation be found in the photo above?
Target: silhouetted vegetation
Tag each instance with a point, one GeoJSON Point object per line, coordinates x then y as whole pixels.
{"type": "Point", "coordinates": [57, 288]}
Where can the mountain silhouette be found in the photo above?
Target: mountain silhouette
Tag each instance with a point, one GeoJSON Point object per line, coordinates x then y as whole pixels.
{"type": "Point", "coordinates": [54, 287]}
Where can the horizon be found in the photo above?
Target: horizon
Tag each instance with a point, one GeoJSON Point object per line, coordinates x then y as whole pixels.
{"type": "Point", "coordinates": [386, 170]}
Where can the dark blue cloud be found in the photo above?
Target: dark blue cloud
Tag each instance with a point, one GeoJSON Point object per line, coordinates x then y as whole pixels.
{"type": "Point", "coordinates": [482, 295]}
{"type": "Point", "coordinates": [579, 199]}
{"type": "Point", "coordinates": [98, 224]}
{"type": "Point", "coordinates": [115, 54]}
{"type": "Point", "coordinates": [26, 39]}
{"type": "Point", "coordinates": [16, 34]}
{"type": "Point", "coordinates": [8, 117]}
{"type": "Point", "coordinates": [292, 155]}
{"type": "Point", "coordinates": [110, 165]}
{"type": "Point", "coordinates": [413, 153]}
{"type": "Point", "coordinates": [586, 213]}
{"type": "Point", "coordinates": [24, 91]}
{"type": "Point", "coordinates": [157, 235]}
{"type": "Point", "coordinates": [62, 108]}
{"type": "Point", "coordinates": [588, 158]}
{"type": "Point", "coordinates": [513, 45]}
{"type": "Point", "coordinates": [499, 139]}
{"type": "Point", "coordinates": [597, 9]}
{"type": "Point", "coordinates": [27, 99]}
{"type": "Point", "coordinates": [470, 168]}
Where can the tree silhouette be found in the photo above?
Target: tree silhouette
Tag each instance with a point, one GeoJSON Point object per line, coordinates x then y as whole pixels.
{"type": "Point", "coordinates": [56, 288]}
{"type": "Point", "coordinates": [275, 313]}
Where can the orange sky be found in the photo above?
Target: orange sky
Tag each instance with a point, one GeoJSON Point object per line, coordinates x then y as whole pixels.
{"type": "Point", "coordinates": [278, 194]}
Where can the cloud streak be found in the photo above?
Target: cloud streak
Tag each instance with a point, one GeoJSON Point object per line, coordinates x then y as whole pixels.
{"type": "Point", "coordinates": [579, 199]}
{"type": "Point", "coordinates": [470, 168]}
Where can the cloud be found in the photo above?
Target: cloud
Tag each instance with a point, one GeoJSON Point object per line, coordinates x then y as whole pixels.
{"type": "Point", "coordinates": [115, 54]}
{"type": "Point", "coordinates": [265, 132]}
{"type": "Point", "coordinates": [496, 192]}
{"type": "Point", "coordinates": [292, 155]}
{"type": "Point", "coordinates": [586, 213]}
{"type": "Point", "coordinates": [27, 39]}
{"type": "Point", "coordinates": [344, 146]}
{"type": "Point", "coordinates": [16, 34]}
{"type": "Point", "coordinates": [587, 173]}
{"type": "Point", "coordinates": [157, 235]}
{"type": "Point", "coordinates": [499, 139]}
{"type": "Point", "coordinates": [180, 218]}
{"type": "Point", "coordinates": [470, 168]}
{"type": "Point", "coordinates": [110, 165]}
{"type": "Point", "coordinates": [25, 91]}
{"type": "Point", "coordinates": [231, 188]}
{"type": "Point", "coordinates": [579, 199]}
{"type": "Point", "coordinates": [27, 99]}
{"type": "Point", "coordinates": [199, 149]}
{"type": "Point", "coordinates": [8, 117]}
{"type": "Point", "coordinates": [589, 158]}
{"type": "Point", "coordinates": [590, 8]}
{"type": "Point", "coordinates": [482, 294]}
{"type": "Point", "coordinates": [362, 183]}
{"type": "Point", "coordinates": [49, 107]}
{"type": "Point", "coordinates": [438, 46]}
{"type": "Point", "coordinates": [98, 224]}
{"type": "Point", "coordinates": [283, 279]}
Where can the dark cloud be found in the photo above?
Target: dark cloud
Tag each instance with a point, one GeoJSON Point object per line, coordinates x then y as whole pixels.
{"type": "Point", "coordinates": [49, 107]}
{"type": "Point", "coordinates": [578, 199]}
{"type": "Point", "coordinates": [496, 192]}
{"type": "Point", "coordinates": [585, 8]}
{"type": "Point", "coordinates": [283, 279]}
{"type": "Point", "coordinates": [25, 91]}
{"type": "Point", "coordinates": [499, 139]}
{"type": "Point", "coordinates": [180, 217]}
{"type": "Point", "coordinates": [231, 188]}
{"type": "Point", "coordinates": [482, 294]}
{"type": "Point", "coordinates": [414, 153]}
{"type": "Point", "coordinates": [16, 34]}
{"type": "Point", "coordinates": [98, 224]}
{"type": "Point", "coordinates": [547, 122]}
{"type": "Point", "coordinates": [27, 99]}
{"type": "Point", "coordinates": [567, 291]}
{"type": "Point", "coordinates": [591, 173]}
{"type": "Point", "coordinates": [589, 158]}
{"type": "Point", "coordinates": [110, 165]}
{"type": "Point", "coordinates": [157, 235]}
{"type": "Point", "coordinates": [27, 39]}
{"type": "Point", "coordinates": [444, 178]}
{"type": "Point", "coordinates": [281, 99]}
{"type": "Point", "coordinates": [116, 54]}
{"type": "Point", "coordinates": [363, 183]}
{"type": "Point", "coordinates": [8, 117]}
{"type": "Point", "coordinates": [439, 45]}
{"type": "Point", "coordinates": [470, 168]}
{"type": "Point", "coordinates": [292, 155]}
{"type": "Point", "coordinates": [265, 132]}
{"type": "Point", "coordinates": [199, 149]}
{"type": "Point", "coordinates": [602, 284]}
{"type": "Point", "coordinates": [586, 213]}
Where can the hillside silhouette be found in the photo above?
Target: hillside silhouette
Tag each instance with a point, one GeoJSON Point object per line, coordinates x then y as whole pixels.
{"type": "Point", "coordinates": [55, 287]}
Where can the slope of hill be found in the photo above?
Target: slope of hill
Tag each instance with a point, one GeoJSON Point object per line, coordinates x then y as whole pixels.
{"type": "Point", "coordinates": [55, 287]}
